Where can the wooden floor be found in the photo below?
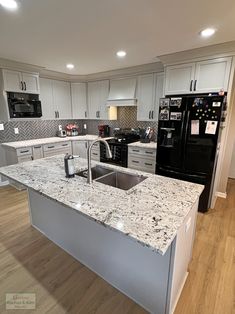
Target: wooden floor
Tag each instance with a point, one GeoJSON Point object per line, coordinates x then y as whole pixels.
{"type": "Point", "coordinates": [30, 263]}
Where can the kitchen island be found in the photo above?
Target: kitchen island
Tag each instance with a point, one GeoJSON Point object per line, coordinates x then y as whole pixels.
{"type": "Point", "coordinates": [139, 240]}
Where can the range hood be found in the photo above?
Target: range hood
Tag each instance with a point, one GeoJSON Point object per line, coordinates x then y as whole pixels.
{"type": "Point", "coordinates": [122, 92]}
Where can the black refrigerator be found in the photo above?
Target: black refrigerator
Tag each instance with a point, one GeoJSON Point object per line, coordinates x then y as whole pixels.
{"type": "Point", "coordinates": [188, 130]}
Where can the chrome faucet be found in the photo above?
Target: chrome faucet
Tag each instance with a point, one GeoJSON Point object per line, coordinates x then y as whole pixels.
{"type": "Point", "coordinates": [108, 155]}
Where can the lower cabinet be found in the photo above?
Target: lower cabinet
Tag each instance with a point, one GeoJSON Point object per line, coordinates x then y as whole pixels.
{"type": "Point", "coordinates": [57, 149]}
{"type": "Point", "coordinates": [143, 159]}
{"type": "Point", "coordinates": [80, 148]}
{"type": "Point", "coordinates": [95, 151]}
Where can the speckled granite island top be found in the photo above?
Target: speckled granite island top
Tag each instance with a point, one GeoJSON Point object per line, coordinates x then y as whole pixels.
{"type": "Point", "coordinates": [149, 213]}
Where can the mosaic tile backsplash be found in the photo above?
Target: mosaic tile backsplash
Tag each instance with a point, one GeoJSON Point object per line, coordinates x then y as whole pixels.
{"type": "Point", "coordinates": [127, 118]}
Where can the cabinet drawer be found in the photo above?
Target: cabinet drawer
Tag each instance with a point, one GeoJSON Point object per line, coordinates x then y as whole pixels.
{"type": "Point", "coordinates": [146, 152]}
{"type": "Point", "coordinates": [142, 164]}
{"type": "Point", "coordinates": [24, 151]}
{"type": "Point", "coordinates": [25, 158]}
{"type": "Point", "coordinates": [37, 152]}
{"type": "Point", "coordinates": [49, 147]}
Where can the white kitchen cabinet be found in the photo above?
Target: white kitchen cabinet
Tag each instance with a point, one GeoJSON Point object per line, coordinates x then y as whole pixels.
{"type": "Point", "coordinates": [54, 149]}
{"type": "Point", "coordinates": [198, 77]}
{"type": "Point", "coordinates": [80, 148]}
{"type": "Point", "coordinates": [212, 75]}
{"type": "Point", "coordinates": [179, 79]}
{"type": "Point", "coordinates": [55, 97]}
{"type": "Point", "coordinates": [62, 99]}
{"type": "Point", "coordinates": [97, 99]}
{"type": "Point", "coordinates": [37, 152]}
{"type": "Point", "coordinates": [20, 82]}
{"type": "Point", "coordinates": [145, 97]}
{"type": "Point", "coordinates": [149, 91]}
{"type": "Point", "coordinates": [143, 159]}
{"type": "Point", "coordinates": [46, 97]}
{"type": "Point", "coordinates": [79, 100]}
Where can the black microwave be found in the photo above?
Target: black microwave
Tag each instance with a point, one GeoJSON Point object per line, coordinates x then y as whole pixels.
{"type": "Point", "coordinates": [24, 105]}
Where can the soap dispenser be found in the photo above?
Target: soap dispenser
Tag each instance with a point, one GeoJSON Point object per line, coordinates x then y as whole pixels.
{"type": "Point", "coordinates": [69, 166]}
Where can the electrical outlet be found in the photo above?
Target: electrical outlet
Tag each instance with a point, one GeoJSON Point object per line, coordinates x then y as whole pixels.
{"type": "Point", "coordinates": [16, 130]}
{"type": "Point", "coordinates": [60, 127]}
{"type": "Point", "coordinates": [84, 126]}
{"type": "Point", "coordinates": [1, 127]}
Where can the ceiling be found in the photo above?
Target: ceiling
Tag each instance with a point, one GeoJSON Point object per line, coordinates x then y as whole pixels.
{"type": "Point", "coordinates": [87, 33]}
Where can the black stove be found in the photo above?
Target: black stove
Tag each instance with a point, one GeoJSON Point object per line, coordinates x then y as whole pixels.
{"type": "Point", "coordinates": [119, 147]}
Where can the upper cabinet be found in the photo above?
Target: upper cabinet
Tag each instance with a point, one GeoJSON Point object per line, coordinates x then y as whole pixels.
{"type": "Point", "coordinates": [79, 100]}
{"type": "Point", "coordinates": [56, 99]}
{"type": "Point", "coordinates": [198, 77]}
{"type": "Point", "coordinates": [149, 90]}
{"type": "Point", "coordinates": [97, 100]}
{"type": "Point", "coordinates": [62, 99]}
{"type": "Point", "coordinates": [20, 82]}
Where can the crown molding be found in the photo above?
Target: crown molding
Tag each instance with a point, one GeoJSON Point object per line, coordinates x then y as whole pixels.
{"type": "Point", "coordinates": [19, 66]}
{"type": "Point", "coordinates": [212, 51]}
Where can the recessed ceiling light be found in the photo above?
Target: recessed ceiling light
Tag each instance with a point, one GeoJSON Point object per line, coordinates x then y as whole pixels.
{"type": "Point", "coordinates": [207, 32]}
{"type": "Point", "coordinates": [9, 4]}
{"type": "Point", "coordinates": [121, 54]}
{"type": "Point", "coordinates": [70, 66]}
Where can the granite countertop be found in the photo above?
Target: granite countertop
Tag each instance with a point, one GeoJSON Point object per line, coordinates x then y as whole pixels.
{"type": "Point", "coordinates": [49, 140]}
{"type": "Point", "coordinates": [152, 145]}
{"type": "Point", "coordinates": [149, 213]}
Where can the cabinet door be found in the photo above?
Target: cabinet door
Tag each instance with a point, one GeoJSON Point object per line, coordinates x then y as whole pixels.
{"type": "Point", "coordinates": [103, 97]}
{"type": "Point", "coordinates": [93, 100]}
{"type": "Point", "coordinates": [12, 81]}
{"type": "Point", "coordinates": [79, 100]}
{"type": "Point", "coordinates": [145, 97]}
{"type": "Point", "coordinates": [37, 152]}
{"type": "Point", "coordinates": [31, 83]}
{"type": "Point", "coordinates": [179, 79]}
{"type": "Point", "coordinates": [62, 99]}
{"type": "Point", "coordinates": [80, 148]}
{"type": "Point", "coordinates": [25, 158]}
{"type": "Point", "coordinates": [46, 97]}
{"type": "Point", "coordinates": [212, 75]}
{"type": "Point", "coordinates": [159, 93]}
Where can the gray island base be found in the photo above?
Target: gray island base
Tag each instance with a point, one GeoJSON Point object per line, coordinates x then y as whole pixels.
{"type": "Point", "coordinates": [148, 265]}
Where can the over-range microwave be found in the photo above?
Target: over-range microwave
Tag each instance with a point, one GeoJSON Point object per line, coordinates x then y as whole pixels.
{"type": "Point", "coordinates": [24, 105]}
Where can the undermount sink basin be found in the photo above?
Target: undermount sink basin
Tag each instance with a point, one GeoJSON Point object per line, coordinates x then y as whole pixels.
{"type": "Point", "coordinates": [96, 172]}
{"type": "Point", "coordinates": [121, 180]}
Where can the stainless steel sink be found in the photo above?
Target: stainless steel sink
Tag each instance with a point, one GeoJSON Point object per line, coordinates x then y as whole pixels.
{"type": "Point", "coordinates": [121, 180]}
{"type": "Point", "coordinates": [97, 172]}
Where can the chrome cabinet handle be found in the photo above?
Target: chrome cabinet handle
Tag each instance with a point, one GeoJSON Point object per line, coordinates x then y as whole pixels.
{"type": "Point", "coordinates": [25, 86]}
{"type": "Point", "coordinates": [147, 164]}
{"type": "Point", "coordinates": [152, 114]}
{"type": "Point", "coordinates": [149, 114]}
{"type": "Point", "coordinates": [135, 161]}
{"type": "Point", "coordinates": [24, 151]}
{"type": "Point", "coordinates": [85, 114]}
{"type": "Point", "coordinates": [37, 147]}
{"type": "Point", "coordinates": [22, 86]}
{"type": "Point", "coordinates": [195, 85]}
{"type": "Point", "coordinates": [50, 146]}
{"type": "Point", "coordinates": [58, 114]}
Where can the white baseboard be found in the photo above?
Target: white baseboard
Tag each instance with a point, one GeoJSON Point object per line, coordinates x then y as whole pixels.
{"type": "Point", "coordinates": [4, 183]}
{"type": "Point", "coordinates": [220, 194]}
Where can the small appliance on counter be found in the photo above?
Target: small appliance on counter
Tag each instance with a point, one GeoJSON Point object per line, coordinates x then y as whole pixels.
{"type": "Point", "coordinates": [61, 133]}
{"type": "Point", "coordinates": [104, 130]}
{"type": "Point", "coordinates": [69, 166]}
{"type": "Point", "coordinates": [72, 129]}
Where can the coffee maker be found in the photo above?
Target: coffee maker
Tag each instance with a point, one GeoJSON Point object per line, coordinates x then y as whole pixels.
{"type": "Point", "coordinates": [104, 130]}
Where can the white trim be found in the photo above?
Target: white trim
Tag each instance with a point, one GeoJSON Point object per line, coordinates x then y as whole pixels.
{"type": "Point", "coordinates": [221, 194]}
{"type": "Point", "coordinates": [179, 293]}
{"type": "Point", "coordinates": [4, 183]}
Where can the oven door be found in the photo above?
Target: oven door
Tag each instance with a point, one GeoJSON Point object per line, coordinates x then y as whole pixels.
{"type": "Point", "coordinates": [24, 108]}
{"type": "Point", "coordinates": [119, 154]}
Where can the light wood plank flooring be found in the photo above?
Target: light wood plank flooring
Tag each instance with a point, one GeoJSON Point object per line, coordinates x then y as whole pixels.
{"type": "Point", "coordinates": [29, 262]}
